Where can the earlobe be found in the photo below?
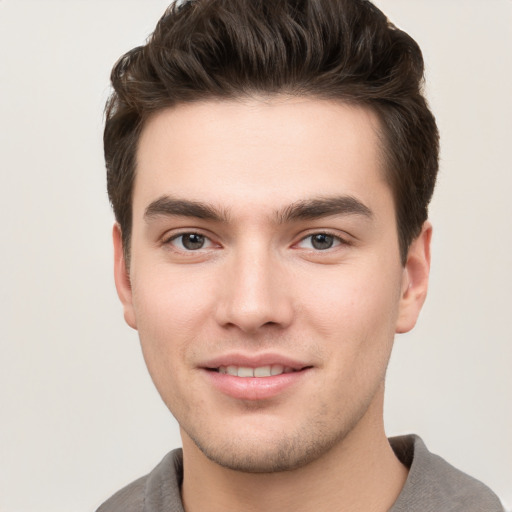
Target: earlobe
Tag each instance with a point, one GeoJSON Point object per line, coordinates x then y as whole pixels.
{"type": "Point", "coordinates": [415, 280]}
{"type": "Point", "coordinates": [122, 277]}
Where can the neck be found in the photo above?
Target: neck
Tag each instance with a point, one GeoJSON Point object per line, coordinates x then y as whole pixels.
{"type": "Point", "coordinates": [360, 473]}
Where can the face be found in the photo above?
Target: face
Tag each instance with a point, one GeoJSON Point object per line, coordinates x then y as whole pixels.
{"type": "Point", "coordinates": [265, 277]}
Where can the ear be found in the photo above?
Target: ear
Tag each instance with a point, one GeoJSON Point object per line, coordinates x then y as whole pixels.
{"type": "Point", "coordinates": [122, 277]}
{"type": "Point", "coordinates": [415, 280]}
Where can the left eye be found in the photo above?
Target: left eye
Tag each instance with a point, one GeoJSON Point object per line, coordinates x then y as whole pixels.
{"type": "Point", "coordinates": [320, 241]}
{"type": "Point", "coordinates": [190, 241]}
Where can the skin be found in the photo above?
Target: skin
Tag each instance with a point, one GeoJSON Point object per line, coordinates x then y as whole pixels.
{"type": "Point", "coordinates": [259, 285]}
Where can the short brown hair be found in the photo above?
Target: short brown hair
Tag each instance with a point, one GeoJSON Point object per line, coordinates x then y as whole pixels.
{"type": "Point", "coordinates": [334, 49]}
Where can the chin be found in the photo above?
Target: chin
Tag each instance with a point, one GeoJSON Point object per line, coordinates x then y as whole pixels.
{"type": "Point", "coordinates": [257, 455]}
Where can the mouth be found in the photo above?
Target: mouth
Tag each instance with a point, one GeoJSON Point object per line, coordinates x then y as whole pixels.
{"type": "Point", "coordinates": [255, 378]}
{"type": "Point", "coordinates": [258, 372]}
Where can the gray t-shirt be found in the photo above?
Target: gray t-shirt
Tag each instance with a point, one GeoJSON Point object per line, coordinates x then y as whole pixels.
{"type": "Point", "coordinates": [433, 485]}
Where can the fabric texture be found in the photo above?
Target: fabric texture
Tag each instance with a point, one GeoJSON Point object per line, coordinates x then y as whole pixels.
{"type": "Point", "coordinates": [433, 485]}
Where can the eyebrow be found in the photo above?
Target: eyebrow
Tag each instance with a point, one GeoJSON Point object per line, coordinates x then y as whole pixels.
{"type": "Point", "coordinates": [317, 208]}
{"type": "Point", "coordinates": [169, 206]}
{"type": "Point", "coordinates": [307, 209]}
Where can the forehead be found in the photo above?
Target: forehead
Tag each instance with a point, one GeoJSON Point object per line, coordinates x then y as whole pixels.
{"type": "Point", "coordinates": [265, 152]}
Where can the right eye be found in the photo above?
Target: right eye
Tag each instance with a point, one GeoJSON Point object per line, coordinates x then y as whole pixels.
{"type": "Point", "coordinates": [190, 242]}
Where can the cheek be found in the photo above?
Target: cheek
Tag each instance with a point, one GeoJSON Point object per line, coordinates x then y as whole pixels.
{"type": "Point", "coordinates": [171, 311]}
{"type": "Point", "coordinates": [353, 312]}
{"type": "Point", "coordinates": [353, 316]}
{"type": "Point", "coordinates": [169, 301]}
{"type": "Point", "coordinates": [355, 298]}
{"type": "Point", "coordinates": [169, 314]}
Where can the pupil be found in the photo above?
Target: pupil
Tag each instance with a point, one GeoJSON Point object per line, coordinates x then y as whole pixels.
{"type": "Point", "coordinates": [322, 241]}
{"type": "Point", "coordinates": [193, 241]}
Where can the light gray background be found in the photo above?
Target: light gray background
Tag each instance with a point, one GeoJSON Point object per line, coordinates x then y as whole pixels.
{"type": "Point", "coordinates": [79, 415]}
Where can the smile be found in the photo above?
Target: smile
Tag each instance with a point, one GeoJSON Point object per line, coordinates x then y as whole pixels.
{"type": "Point", "coordinates": [251, 380]}
{"type": "Point", "coordinates": [260, 371]}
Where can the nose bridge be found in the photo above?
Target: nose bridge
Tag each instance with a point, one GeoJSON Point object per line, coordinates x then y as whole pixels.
{"type": "Point", "coordinates": [254, 292]}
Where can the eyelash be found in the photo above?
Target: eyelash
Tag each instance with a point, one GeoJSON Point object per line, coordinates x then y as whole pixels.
{"type": "Point", "coordinates": [176, 236]}
{"type": "Point", "coordinates": [336, 240]}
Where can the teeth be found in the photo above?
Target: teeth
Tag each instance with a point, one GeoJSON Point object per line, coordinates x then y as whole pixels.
{"type": "Point", "coordinates": [260, 371]}
{"type": "Point", "coordinates": [232, 370]}
{"type": "Point", "coordinates": [276, 369]}
{"type": "Point", "coordinates": [263, 371]}
{"type": "Point", "coordinates": [243, 371]}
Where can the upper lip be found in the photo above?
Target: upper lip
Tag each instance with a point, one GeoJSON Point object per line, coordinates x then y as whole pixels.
{"type": "Point", "coordinates": [254, 361]}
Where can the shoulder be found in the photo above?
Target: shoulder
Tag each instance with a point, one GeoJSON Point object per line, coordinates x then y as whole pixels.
{"type": "Point", "coordinates": [435, 485]}
{"type": "Point", "coordinates": [128, 499]}
{"type": "Point", "coordinates": [157, 491]}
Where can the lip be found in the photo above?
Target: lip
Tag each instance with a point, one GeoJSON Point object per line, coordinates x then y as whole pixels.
{"type": "Point", "coordinates": [254, 361]}
{"type": "Point", "coordinates": [254, 388]}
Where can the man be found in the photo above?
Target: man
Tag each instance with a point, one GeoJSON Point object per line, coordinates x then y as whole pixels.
{"type": "Point", "coordinates": [270, 165]}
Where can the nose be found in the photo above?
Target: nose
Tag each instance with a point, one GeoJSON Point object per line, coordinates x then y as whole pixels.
{"type": "Point", "coordinates": [254, 294]}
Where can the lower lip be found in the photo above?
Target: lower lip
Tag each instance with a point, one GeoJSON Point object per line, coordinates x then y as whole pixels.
{"type": "Point", "coordinates": [254, 388]}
